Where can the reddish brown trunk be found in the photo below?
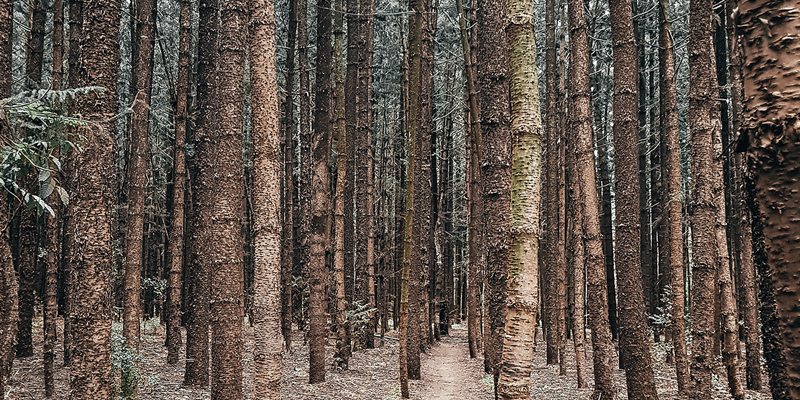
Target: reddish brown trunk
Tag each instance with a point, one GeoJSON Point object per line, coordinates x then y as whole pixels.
{"type": "Point", "coordinates": [634, 343]}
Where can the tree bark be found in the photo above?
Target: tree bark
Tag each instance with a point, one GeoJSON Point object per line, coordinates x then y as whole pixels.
{"type": "Point", "coordinates": [770, 126]}
{"type": "Point", "coordinates": [35, 48]}
{"type": "Point", "coordinates": [634, 343]}
{"type": "Point", "coordinates": [267, 227]}
{"type": "Point", "coordinates": [137, 166]}
{"type": "Point", "coordinates": [90, 247]}
{"type": "Point", "coordinates": [339, 323]}
{"type": "Point", "coordinates": [475, 204]}
{"type": "Point", "coordinates": [493, 80]}
{"type": "Point", "coordinates": [320, 203]}
{"type": "Point", "coordinates": [671, 177]}
{"type": "Point", "coordinates": [704, 124]}
{"type": "Point", "coordinates": [523, 263]}
{"type": "Point", "coordinates": [9, 311]}
{"type": "Point", "coordinates": [177, 232]}
{"type": "Point", "coordinates": [202, 175]}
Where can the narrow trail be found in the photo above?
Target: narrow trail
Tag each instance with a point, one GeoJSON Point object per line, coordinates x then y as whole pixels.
{"type": "Point", "coordinates": [449, 374]}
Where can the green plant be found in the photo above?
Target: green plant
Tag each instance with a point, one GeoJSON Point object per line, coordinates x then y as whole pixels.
{"type": "Point", "coordinates": [124, 364]}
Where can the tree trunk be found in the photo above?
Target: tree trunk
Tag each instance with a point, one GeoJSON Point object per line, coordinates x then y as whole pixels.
{"type": "Point", "coordinates": [90, 248]}
{"type": "Point", "coordinates": [771, 129]}
{"type": "Point", "coordinates": [703, 122]}
{"type": "Point", "coordinates": [365, 235]}
{"type": "Point", "coordinates": [523, 263]}
{"type": "Point", "coordinates": [475, 204]}
{"type": "Point", "coordinates": [8, 281]}
{"type": "Point", "coordinates": [137, 166]}
{"type": "Point", "coordinates": [493, 80]}
{"type": "Point", "coordinates": [288, 256]}
{"type": "Point", "coordinates": [267, 227]}
{"type": "Point", "coordinates": [58, 43]}
{"type": "Point", "coordinates": [634, 343]}
{"type": "Point", "coordinates": [320, 203]}
{"type": "Point", "coordinates": [26, 260]}
{"type": "Point", "coordinates": [339, 323]}
{"type": "Point", "coordinates": [551, 300]}
{"type": "Point", "coordinates": [176, 240]}
{"type": "Point", "coordinates": [35, 48]}
{"type": "Point", "coordinates": [50, 295]}
{"type": "Point", "coordinates": [202, 175]}
{"type": "Point", "coordinates": [671, 177]}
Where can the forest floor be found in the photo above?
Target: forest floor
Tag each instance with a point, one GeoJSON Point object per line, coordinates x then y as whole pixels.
{"type": "Point", "coordinates": [447, 373]}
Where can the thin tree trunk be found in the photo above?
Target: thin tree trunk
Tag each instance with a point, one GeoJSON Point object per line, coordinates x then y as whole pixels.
{"type": "Point", "coordinates": [202, 175]}
{"type": "Point", "coordinates": [176, 240]}
{"type": "Point", "coordinates": [58, 44]}
{"type": "Point", "coordinates": [9, 310]}
{"type": "Point", "coordinates": [267, 227]}
{"type": "Point", "coordinates": [320, 203]}
{"type": "Point", "coordinates": [671, 176]}
{"type": "Point", "coordinates": [475, 209]}
{"type": "Point", "coordinates": [35, 48]}
{"type": "Point", "coordinates": [634, 343]}
{"type": "Point", "coordinates": [339, 322]}
{"type": "Point", "coordinates": [138, 161]}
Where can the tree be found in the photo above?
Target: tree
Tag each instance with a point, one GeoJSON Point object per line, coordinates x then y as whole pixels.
{"type": "Point", "coordinates": [267, 227]}
{"type": "Point", "coordinates": [523, 268]}
{"type": "Point", "coordinates": [493, 81]}
{"type": "Point", "coordinates": [770, 128]}
{"type": "Point", "coordinates": [91, 192]}
{"type": "Point", "coordinates": [227, 210]}
{"type": "Point", "coordinates": [202, 177]}
{"type": "Point", "coordinates": [704, 124]}
{"type": "Point", "coordinates": [177, 231]}
{"type": "Point", "coordinates": [634, 343]}
{"type": "Point", "coordinates": [671, 177]}
{"type": "Point", "coordinates": [138, 158]}
{"type": "Point", "coordinates": [320, 203]}
{"type": "Point", "coordinates": [339, 317]}
{"type": "Point", "coordinates": [475, 203]}
{"type": "Point", "coordinates": [590, 235]}
{"type": "Point", "coordinates": [8, 280]}
{"type": "Point", "coordinates": [365, 235]}
{"type": "Point", "coordinates": [553, 204]}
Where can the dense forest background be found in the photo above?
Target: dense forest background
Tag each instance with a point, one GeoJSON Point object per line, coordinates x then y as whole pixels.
{"type": "Point", "coordinates": [617, 180]}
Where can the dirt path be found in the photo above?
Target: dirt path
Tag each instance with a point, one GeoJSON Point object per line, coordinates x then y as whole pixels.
{"type": "Point", "coordinates": [449, 374]}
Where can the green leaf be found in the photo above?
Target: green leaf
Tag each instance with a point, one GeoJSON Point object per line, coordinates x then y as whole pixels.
{"type": "Point", "coordinates": [63, 194]}
{"type": "Point", "coordinates": [44, 175]}
{"type": "Point", "coordinates": [46, 187]}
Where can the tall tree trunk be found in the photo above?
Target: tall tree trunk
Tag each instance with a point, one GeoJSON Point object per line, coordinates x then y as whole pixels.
{"type": "Point", "coordinates": [320, 203]}
{"type": "Point", "coordinates": [493, 80]}
{"type": "Point", "coordinates": [8, 281]}
{"type": "Point", "coordinates": [90, 248]}
{"type": "Point", "coordinates": [671, 177]}
{"type": "Point", "coordinates": [177, 232]}
{"type": "Point", "coordinates": [769, 123]}
{"type": "Point", "coordinates": [351, 84]}
{"type": "Point", "coordinates": [365, 235]}
{"type": "Point", "coordinates": [288, 256]}
{"type": "Point", "coordinates": [746, 266]}
{"type": "Point", "coordinates": [634, 343]}
{"type": "Point", "coordinates": [523, 263]}
{"type": "Point", "coordinates": [227, 210]}
{"type": "Point", "coordinates": [267, 227]}
{"type": "Point", "coordinates": [590, 233]}
{"type": "Point", "coordinates": [704, 124]}
{"type": "Point", "coordinates": [580, 127]}
{"type": "Point", "coordinates": [475, 204]}
{"type": "Point", "coordinates": [26, 260]}
{"type": "Point", "coordinates": [339, 322]}
{"type": "Point", "coordinates": [202, 175]}
{"type": "Point", "coordinates": [137, 167]}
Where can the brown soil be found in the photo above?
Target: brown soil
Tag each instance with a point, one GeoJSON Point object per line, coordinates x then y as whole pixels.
{"type": "Point", "coordinates": [447, 371]}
